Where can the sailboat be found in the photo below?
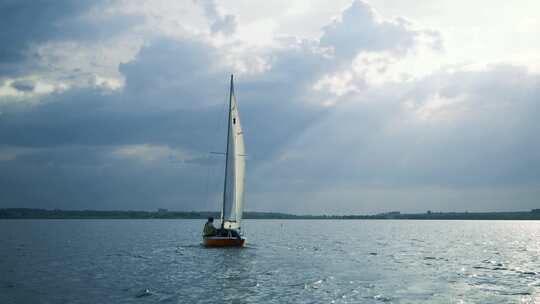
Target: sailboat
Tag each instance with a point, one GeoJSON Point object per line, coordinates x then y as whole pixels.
{"type": "Point", "coordinates": [230, 233]}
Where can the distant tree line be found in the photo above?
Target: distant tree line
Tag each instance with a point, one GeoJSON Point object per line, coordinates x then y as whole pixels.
{"type": "Point", "coordinates": [29, 213]}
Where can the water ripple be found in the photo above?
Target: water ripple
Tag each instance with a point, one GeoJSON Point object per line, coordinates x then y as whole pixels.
{"type": "Point", "coordinates": [284, 262]}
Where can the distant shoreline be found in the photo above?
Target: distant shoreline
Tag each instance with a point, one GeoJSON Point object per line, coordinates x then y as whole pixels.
{"type": "Point", "coordinates": [30, 213]}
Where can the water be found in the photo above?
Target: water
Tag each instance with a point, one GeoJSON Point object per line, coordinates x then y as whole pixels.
{"type": "Point", "coordinates": [285, 261]}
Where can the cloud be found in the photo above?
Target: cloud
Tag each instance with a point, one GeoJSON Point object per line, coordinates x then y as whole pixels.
{"type": "Point", "coordinates": [61, 44]}
{"type": "Point", "coordinates": [359, 28]}
{"type": "Point", "coordinates": [146, 153]}
{"type": "Point", "coordinates": [26, 24]}
{"type": "Point", "coordinates": [319, 126]}
{"type": "Point", "coordinates": [169, 67]}
{"type": "Point", "coordinates": [73, 177]}
{"type": "Point", "coordinates": [476, 123]}
{"type": "Point", "coordinates": [23, 85]}
{"type": "Point", "coordinates": [174, 92]}
{"type": "Point", "coordinates": [220, 23]}
{"type": "Point", "coordinates": [173, 100]}
{"type": "Point", "coordinates": [374, 152]}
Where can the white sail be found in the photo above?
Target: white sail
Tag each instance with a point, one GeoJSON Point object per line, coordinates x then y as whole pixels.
{"type": "Point", "coordinates": [233, 198]}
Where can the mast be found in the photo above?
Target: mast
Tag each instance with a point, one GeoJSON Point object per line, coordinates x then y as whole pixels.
{"type": "Point", "coordinates": [227, 154]}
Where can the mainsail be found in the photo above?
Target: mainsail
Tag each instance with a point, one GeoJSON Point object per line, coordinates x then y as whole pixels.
{"type": "Point", "coordinates": [233, 192]}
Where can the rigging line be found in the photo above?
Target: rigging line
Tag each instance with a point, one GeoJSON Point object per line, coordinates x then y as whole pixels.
{"type": "Point", "coordinates": [217, 129]}
{"type": "Point", "coordinates": [207, 182]}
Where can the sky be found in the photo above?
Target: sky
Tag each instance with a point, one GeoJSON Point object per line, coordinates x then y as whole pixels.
{"type": "Point", "coordinates": [348, 107]}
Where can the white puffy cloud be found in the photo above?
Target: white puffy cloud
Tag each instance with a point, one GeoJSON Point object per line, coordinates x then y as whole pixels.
{"type": "Point", "coordinates": [224, 23]}
{"type": "Point", "coordinates": [359, 28]}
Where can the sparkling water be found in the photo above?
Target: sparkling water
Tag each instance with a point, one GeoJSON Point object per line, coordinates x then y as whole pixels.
{"type": "Point", "coordinates": [285, 261]}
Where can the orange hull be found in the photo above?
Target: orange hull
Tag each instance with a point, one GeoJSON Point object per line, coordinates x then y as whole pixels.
{"type": "Point", "coordinates": [216, 241]}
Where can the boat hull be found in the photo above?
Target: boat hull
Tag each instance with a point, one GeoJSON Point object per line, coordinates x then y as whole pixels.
{"type": "Point", "coordinates": [218, 241]}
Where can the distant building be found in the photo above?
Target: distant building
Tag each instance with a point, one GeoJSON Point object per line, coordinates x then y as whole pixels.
{"type": "Point", "coordinates": [390, 215]}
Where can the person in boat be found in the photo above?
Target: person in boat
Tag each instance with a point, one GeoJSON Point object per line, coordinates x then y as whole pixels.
{"type": "Point", "coordinates": [209, 229]}
{"type": "Point", "coordinates": [230, 233]}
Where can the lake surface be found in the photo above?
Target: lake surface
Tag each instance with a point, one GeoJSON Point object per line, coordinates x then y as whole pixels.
{"type": "Point", "coordinates": [285, 261]}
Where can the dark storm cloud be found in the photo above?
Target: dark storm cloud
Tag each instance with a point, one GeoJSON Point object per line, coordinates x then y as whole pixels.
{"type": "Point", "coordinates": [485, 138]}
{"type": "Point", "coordinates": [174, 96]}
{"type": "Point", "coordinates": [73, 177]}
{"type": "Point", "coordinates": [25, 24]}
{"type": "Point", "coordinates": [23, 85]}
{"type": "Point", "coordinates": [146, 146]}
{"type": "Point", "coordinates": [178, 77]}
{"type": "Point", "coordinates": [87, 117]}
{"type": "Point", "coordinates": [176, 74]}
{"type": "Point", "coordinates": [375, 153]}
